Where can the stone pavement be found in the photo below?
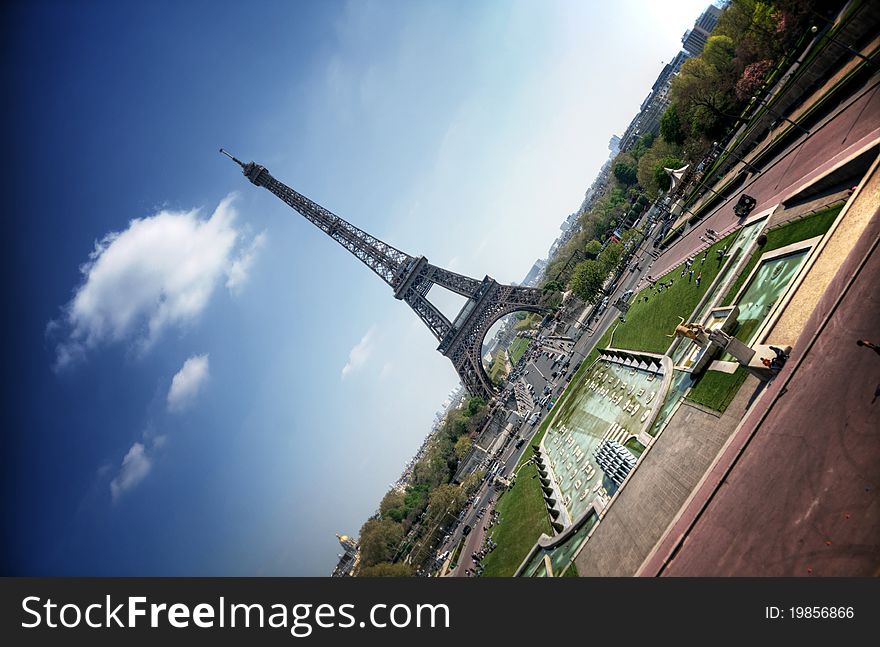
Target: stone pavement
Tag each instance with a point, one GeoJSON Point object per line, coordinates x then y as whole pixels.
{"type": "Point", "coordinates": [659, 486]}
{"type": "Point", "coordinates": [795, 492]}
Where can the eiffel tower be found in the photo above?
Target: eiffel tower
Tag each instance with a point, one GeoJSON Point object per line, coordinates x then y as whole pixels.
{"type": "Point", "coordinates": [412, 277]}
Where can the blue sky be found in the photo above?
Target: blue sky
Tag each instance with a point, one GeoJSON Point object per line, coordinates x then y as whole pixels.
{"type": "Point", "coordinates": [202, 382]}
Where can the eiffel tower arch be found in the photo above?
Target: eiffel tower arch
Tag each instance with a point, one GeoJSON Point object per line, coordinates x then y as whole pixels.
{"type": "Point", "coordinates": [411, 278]}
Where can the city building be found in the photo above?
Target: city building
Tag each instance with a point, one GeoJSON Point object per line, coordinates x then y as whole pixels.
{"type": "Point", "coordinates": [349, 558]}
{"type": "Point", "coordinates": [614, 145]}
{"type": "Point", "coordinates": [694, 40]}
{"type": "Point", "coordinates": [534, 273]}
{"type": "Point", "coordinates": [647, 120]}
{"type": "Point", "coordinates": [655, 104]}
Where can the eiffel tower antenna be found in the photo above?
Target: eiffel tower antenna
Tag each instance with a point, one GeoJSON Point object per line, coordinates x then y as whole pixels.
{"type": "Point", "coordinates": [232, 157]}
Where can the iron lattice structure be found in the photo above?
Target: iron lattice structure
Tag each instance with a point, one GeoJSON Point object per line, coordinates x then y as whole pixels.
{"type": "Point", "coordinates": [412, 278]}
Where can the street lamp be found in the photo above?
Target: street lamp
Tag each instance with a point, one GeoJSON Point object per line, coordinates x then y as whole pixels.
{"type": "Point", "coordinates": [815, 29]}
{"type": "Point", "coordinates": [777, 115]}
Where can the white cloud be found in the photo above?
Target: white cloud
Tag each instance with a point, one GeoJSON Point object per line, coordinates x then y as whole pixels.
{"type": "Point", "coordinates": [135, 467]}
{"type": "Point", "coordinates": [240, 269]}
{"type": "Point", "coordinates": [159, 272]}
{"type": "Point", "coordinates": [359, 355]}
{"type": "Point", "coordinates": [187, 382]}
{"type": "Point", "coordinates": [136, 464]}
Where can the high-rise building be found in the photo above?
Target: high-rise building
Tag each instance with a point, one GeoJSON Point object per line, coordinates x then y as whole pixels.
{"type": "Point", "coordinates": [535, 272]}
{"type": "Point", "coordinates": [614, 145]}
{"type": "Point", "coordinates": [694, 40]}
{"type": "Point", "coordinates": [655, 104]}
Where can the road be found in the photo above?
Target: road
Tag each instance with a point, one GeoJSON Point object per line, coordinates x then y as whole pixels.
{"type": "Point", "coordinates": [843, 133]}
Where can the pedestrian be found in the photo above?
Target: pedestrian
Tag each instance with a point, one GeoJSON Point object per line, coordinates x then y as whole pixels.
{"type": "Point", "coordinates": [781, 355]}
{"type": "Point", "coordinates": [690, 275]}
{"type": "Point", "coordinates": [703, 260]}
{"type": "Point", "coordinates": [698, 279]}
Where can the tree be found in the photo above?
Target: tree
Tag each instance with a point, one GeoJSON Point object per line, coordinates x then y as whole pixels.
{"type": "Point", "coordinates": [610, 257]}
{"type": "Point", "coordinates": [719, 52]}
{"type": "Point", "coordinates": [629, 236]}
{"type": "Point", "coordinates": [472, 482]}
{"type": "Point", "coordinates": [703, 97]}
{"type": "Point", "coordinates": [625, 172]}
{"type": "Point", "coordinates": [642, 145]}
{"type": "Point", "coordinates": [433, 468]}
{"type": "Point", "coordinates": [392, 505]}
{"type": "Point", "coordinates": [661, 176]}
{"type": "Point", "coordinates": [752, 79]}
{"type": "Point", "coordinates": [474, 405]}
{"type": "Point", "coordinates": [670, 127]}
{"type": "Point", "coordinates": [649, 163]}
{"type": "Point", "coordinates": [587, 280]}
{"type": "Point", "coordinates": [462, 447]}
{"type": "Point", "coordinates": [593, 248]}
{"type": "Point", "coordinates": [415, 501]}
{"type": "Point", "coordinates": [387, 569]}
{"type": "Point", "coordinates": [447, 498]}
{"type": "Point", "coordinates": [379, 541]}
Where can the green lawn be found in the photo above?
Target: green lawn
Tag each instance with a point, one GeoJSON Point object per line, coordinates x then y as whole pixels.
{"type": "Point", "coordinates": [793, 232]}
{"type": "Point", "coordinates": [517, 349]}
{"type": "Point", "coordinates": [716, 390]}
{"type": "Point", "coordinates": [649, 324]}
{"type": "Point", "coordinates": [455, 553]}
{"type": "Point", "coordinates": [499, 367]}
{"type": "Point", "coordinates": [523, 517]}
{"type": "Point", "coordinates": [522, 509]}
{"type": "Point", "coordinates": [531, 320]}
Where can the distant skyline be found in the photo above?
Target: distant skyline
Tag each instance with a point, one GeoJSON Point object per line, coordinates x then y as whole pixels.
{"type": "Point", "coordinates": [204, 384]}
